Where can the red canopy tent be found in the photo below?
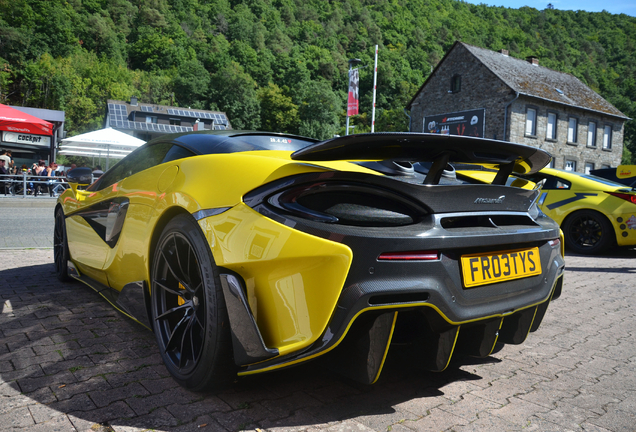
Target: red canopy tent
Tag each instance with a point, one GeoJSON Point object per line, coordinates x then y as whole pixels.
{"type": "Point", "coordinates": [13, 120]}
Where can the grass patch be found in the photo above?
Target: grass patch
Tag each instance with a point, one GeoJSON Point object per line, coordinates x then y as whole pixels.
{"type": "Point", "coordinates": [140, 367]}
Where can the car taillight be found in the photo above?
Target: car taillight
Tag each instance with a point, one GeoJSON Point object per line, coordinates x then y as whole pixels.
{"type": "Point", "coordinates": [554, 243]}
{"type": "Point", "coordinates": [409, 256]}
{"type": "Point", "coordinates": [627, 197]}
{"type": "Point", "coordinates": [348, 204]}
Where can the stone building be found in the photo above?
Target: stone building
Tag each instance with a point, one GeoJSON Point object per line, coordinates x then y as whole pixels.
{"type": "Point", "coordinates": [478, 92]}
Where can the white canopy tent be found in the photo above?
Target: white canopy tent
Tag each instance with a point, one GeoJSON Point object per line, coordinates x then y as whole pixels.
{"type": "Point", "coordinates": [108, 142]}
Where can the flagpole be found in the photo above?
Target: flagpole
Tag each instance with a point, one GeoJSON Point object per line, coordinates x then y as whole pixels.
{"type": "Point", "coordinates": [348, 86]}
{"type": "Point", "coordinates": [375, 80]}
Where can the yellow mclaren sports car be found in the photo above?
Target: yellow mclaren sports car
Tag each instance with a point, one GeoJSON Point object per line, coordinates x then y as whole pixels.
{"type": "Point", "coordinates": [248, 252]}
{"type": "Point", "coordinates": [595, 213]}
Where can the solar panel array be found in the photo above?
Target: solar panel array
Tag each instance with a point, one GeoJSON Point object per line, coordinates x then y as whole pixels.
{"type": "Point", "coordinates": [117, 112]}
{"type": "Point", "coordinates": [220, 120]}
{"type": "Point", "coordinates": [150, 127]}
{"type": "Point", "coordinates": [119, 119]}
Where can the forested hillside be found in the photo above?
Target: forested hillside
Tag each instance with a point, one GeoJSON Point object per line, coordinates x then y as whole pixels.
{"type": "Point", "coordinates": [281, 65]}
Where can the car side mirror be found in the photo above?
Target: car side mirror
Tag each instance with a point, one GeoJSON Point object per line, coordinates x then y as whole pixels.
{"type": "Point", "coordinates": [81, 176]}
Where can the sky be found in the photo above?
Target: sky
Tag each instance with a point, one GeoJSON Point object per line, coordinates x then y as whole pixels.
{"type": "Point", "coordinates": [616, 7]}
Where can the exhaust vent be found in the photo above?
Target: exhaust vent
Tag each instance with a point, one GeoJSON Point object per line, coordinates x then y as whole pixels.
{"type": "Point", "coordinates": [398, 298]}
{"type": "Point", "coordinates": [487, 221]}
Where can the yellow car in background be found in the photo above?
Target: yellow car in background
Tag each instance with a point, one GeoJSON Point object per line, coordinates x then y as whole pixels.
{"type": "Point", "coordinates": [623, 174]}
{"type": "Point", "coordinates": [594, 213]}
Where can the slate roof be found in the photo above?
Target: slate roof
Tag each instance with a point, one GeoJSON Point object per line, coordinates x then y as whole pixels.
{"type": "Point", "coordinates": [541, 82]}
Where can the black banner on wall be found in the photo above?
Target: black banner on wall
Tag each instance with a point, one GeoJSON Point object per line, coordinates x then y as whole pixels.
{"type": "Point", "coordinates": [467, 123]}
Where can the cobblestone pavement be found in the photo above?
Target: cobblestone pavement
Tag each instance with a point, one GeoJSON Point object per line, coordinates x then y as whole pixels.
{"type": "Point", "coordinates": [68, 362]}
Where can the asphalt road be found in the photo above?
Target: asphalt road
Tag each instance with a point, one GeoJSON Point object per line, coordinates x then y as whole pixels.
{"type": "Point", "coordinates": [26, 222]}
{"type": "Point", "coordinates": [69, 362]}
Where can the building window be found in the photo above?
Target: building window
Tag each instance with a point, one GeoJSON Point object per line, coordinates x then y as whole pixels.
{"type": "Point", "coordinates": [151, 119]}
{"type": "Point", "coordinates": [550, 131]}
{"type": "Point", "coordinates": [175, 122]}
{"type": "Point", "coordinates": [456, 84]}
{"type": "Point", "coordinates": [570, 165]}
{"type": "Point", "coordinates": [607, 137]}
{"type": "Point", "coordinates": [531, 122]}
{"type": "Point", "coordinates": [591, 134]}
{"type": "Point", "coordinates": [589, 166]}
{"type": "Point", "coordinates": [572, 132]}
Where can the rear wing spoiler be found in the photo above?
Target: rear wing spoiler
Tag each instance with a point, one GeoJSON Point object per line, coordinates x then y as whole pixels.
{"type": "Point", "coordinates": [509, 158]}
{"type": "Point", "coordinates": [625, 171]}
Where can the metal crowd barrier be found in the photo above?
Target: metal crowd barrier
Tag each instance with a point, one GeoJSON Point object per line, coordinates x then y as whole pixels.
{"type": "Point", "coordinates": [27, 184]}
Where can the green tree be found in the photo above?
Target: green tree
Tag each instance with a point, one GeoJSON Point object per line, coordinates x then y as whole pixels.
{"type": "Point", "coordinates": [191, 84]}
{"type": "Point", "coordinates": [156, 51]}
{"type": "Point", "coordinates": [234, 92]}
{"type": "Point", "coordinates": [278, 112]}
{"type": "Point", "coordinates": [319, 110]}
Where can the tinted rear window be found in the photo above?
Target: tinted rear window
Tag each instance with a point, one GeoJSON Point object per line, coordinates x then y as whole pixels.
{"type": "Point", "coordinates": [264, 142]}
{"type": "Point", "coordinates": [207, 143]}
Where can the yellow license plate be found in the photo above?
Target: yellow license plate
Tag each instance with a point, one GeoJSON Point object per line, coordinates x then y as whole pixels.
{"type": "Point", "coordinates": [482, 269]}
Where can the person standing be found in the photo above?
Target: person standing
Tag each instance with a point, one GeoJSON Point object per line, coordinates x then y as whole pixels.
{"type": "Point", "coordinates": [38, 170]}
{"type": "Point", "coordinates": [49, 171]}
{"type": "Point", "coordinates": [3, 173]}
{"type": "Point", "coordinates": [6, 156]}
{"type": "Point", "coordinates": [97, 172]}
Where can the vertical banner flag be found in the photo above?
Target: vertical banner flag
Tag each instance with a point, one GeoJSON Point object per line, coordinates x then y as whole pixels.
{"type": "Point", "coordinates": [352, 105]}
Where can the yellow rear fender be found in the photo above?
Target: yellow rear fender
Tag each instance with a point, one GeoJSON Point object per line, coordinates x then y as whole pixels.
{"type": "Point", "coordinates": [292, 280]}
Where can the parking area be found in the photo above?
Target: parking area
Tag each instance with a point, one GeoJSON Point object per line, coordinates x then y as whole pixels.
{"type": "Point", "coordinates": [68, 362]}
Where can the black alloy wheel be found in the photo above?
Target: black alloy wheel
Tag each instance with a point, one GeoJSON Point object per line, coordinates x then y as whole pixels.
{"type": "Point", "coordinates": [588, 232]}
{"type": "Point", "coordinates": [60, 247]}
{"type": "Point", "coordinates": [188, 308]}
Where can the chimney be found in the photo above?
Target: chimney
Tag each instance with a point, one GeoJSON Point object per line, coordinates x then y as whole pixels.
{"type": "Point", "coordinates": [533, 60]}
{"type": "Point", "coordinates": [133, 100]}
{"type": "Point", "coordinates": [504, 52]}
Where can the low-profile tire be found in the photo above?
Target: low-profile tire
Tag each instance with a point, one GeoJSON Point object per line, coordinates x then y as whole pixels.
{"type": "Point", "coordinates": [588, 232]}
{"type": "Point", "coordinates": [189, 316]}
{"type": "Point", "coordinates": [61, 254]}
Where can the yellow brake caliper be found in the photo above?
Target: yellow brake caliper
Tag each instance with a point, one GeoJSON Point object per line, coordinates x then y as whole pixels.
{"type": "Point", "coordinates": [180, 299]}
